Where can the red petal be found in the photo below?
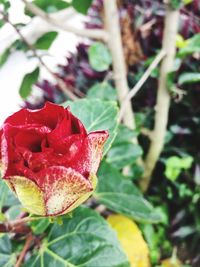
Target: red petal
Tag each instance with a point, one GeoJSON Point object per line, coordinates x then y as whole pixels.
{"type": "Point", "coordinates": [49, 115]}
{"type": "Point", "coordinates": [1, 132]}
{"type": "Point", "coordinates": [76, 125]}
{"type": "Point", "coordinates": [15, 143]}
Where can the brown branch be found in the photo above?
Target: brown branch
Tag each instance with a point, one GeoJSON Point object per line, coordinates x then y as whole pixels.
{"type": "Point", "coordinates": [17, 226]}
{"type": "Point", "coordinates": [140, 83]}
{"type": "Point", "coordinates": [26, 247]}
{"type": "Point", "coordinates": [59, 81]}
{"type": "Point", "coordinates": [93, 34]}
{"type": "Point", "coordinates": [119, 65]}
{"type": "Point", "coordinates": [163, 96]}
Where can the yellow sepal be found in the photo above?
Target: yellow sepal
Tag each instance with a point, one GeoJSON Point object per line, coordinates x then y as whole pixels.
{"type": "Point", "coordinates": [29, 194]}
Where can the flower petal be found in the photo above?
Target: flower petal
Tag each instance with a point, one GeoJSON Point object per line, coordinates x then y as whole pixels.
{"type": "Point", "coordinates": [63, 187]}
{"type": "Point", "coordinates": [29, 194]}
{"type": "Point", "coordinates": [49, 115]}
{"type": "Point", "coordinates": [96, 141]}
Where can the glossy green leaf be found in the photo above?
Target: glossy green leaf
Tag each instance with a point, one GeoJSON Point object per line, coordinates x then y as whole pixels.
{"type": "Point", "coordinates": [28, 81]}
{"type": "Point", "coordinates": [99, 57]}
{"type": "Point", "coordinates": [124, 154]}
{"type": "Point", "coordinates": [123, 151]}
{"type": "Point", "coordinates": [124, 134]}
{"type": "Point", "coordinates": [103, 91]}
{"type": "Point", "coordinates": [120, 195]}
{"type": "Point", "coordinates": [84, 240]}
{"type": "Point", "coordinates": [7, 258]}
{"type": "Point", "coordinates": [189, 77]}
{"type": "Point", "coordinates": [45, 41]}
{"type": "Point", "coordinates": [4, 56]}
{"type": "Point", "coordinates": [192, 46]}
{"type": "Point", "coordinates": [81, 6]}
{"type": "Point", "coordinates": [97, 115]}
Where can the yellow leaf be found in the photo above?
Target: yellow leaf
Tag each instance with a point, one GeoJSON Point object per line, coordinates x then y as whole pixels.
{"type": "Point", "coordinates": [131, 240]}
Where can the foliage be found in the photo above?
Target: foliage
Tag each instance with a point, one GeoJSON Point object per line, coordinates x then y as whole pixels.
{"type": "Point", "coordinates": [83, 240]}
{"type": "Point", "coordinates": [45, 41]}
{"type": "Point", "coordinates": [97, 115]}
{"type": "Point", "coordinates": [28, 81]}
{"type": "Point", "coordinates": [168, 214]}
{"type": "Point", "coordinates": [119, 194]}
{"type": "Point", "coordinates": [99, 57]}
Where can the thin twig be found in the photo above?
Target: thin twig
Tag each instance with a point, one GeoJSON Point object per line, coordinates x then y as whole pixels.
{"type": "Point", "coordinates": [93, 34]}
{"type": "Point", "coordinates": [59, 81]}
{"type": "Point", "coordinates": [17, 226]}
{"type": "Point", "coordinates": [146, 132]}
{"type": "Point", "coordinates": [25, 220]}
{"type": "Point", "coordinates": [140, 83]}
{"type": "Point", "coordinates": [26, 247]}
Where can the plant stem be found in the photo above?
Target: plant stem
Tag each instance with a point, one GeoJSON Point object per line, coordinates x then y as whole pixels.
{"type": "Point", "coordinates": [163, 97]}
{"type": "Point", "coordinates": [18, 225]}
{"type": "Point", "coordinates": [119, 65]}
{"type": "Point", "coordinates": [27, 244]}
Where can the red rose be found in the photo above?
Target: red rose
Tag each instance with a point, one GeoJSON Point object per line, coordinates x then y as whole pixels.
{"type": "Point", "coordinates": [49, 160]}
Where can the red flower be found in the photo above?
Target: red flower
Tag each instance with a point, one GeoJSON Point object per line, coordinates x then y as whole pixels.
{"type": "Point", "coordinates": [49, 160]}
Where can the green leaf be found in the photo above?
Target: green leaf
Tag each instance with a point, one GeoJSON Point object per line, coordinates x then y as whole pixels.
{"type": "Point", "coordinates": [103, 91]}
{"type": "Point", "coordinates": [6, 4]}
{"type": "Point", "coordinates": [174, 166]}
{"type": "Point", "coordinates": [99, 57]}
{"type": "Point", "coordinates": [97, 115]}
{"type": "Point", "coordinates": [84, 240]}
{"type": "Point", "coordinates": [82, 6]}
{"type": "Point", "coordinates": [7, 259]}
{"type": "Point", "coordinates": [180, 41]}
{"type": "Point", "coordinates": [45, 41]}
{"type": "Point", "coordinates": [192, 46]}
{"type": "Point", "coordinates": [124, 134]}
{"type": "Point", "coordinates": [13, 212]}
{"type": "Point", "coordinates": [170, 80]}
{"type": "Point", "coordinates": [28, 81]}
{"type": "Point", "coordinates": [4, 56]}
{"type": "Point", "coordinates": [189, 77]}
{"type": "Point", "coordinates": [120, 195]}
{"type": "Point", "coordinates": [176, 4]}
{"type": "Point", "coordinates": [7, 198]}
{"type": "Point", "coordinates": [39, 226]}
{"type": "Point", "coordinates": [123, 154]}
{"type": "Point", "coordinates": [49, 6]}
